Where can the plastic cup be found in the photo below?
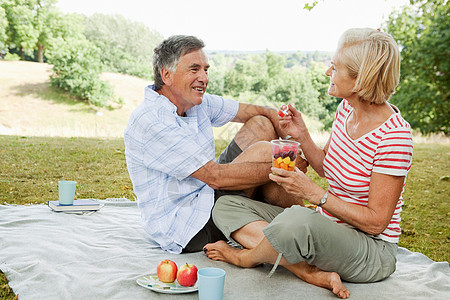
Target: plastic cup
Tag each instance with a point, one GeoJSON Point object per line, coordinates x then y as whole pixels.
{"type": "Point", "coordinates": [66, 190]}
{"type": "Point", "coordinates": [284, 154]}
{"type": "Point", "coordinates": [210, 283]}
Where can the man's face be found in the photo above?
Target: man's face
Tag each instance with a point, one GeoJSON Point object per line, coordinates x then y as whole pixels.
{"type": "Point", "coordinates": [190, 80]}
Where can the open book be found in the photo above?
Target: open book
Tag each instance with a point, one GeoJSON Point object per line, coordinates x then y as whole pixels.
{"type": "Point", "coordinates": [78, 205]}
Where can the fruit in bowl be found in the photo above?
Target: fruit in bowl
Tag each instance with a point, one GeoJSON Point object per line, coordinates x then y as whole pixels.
{"type": "Point", "coordinates": [187, 275]}
{"type": "Point", "coordinates": [284, 154]}
{"type": "Point", "coordinates": [167, 271]}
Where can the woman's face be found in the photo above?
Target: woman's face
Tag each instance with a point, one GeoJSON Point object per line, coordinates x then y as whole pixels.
{"type": "Point", "coordinates": [342, 84]}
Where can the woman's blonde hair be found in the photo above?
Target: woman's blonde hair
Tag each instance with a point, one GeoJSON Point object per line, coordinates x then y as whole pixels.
{"type": "Point", "coordinates": [373, 58]}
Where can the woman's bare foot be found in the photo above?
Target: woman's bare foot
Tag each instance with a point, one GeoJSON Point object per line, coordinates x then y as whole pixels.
{"type": "Point", "coordinates": [247, 258]}
{"type": "Point", "coordinates": [220, 250]}
{"type": "Point", "coordinates": [314, 275]}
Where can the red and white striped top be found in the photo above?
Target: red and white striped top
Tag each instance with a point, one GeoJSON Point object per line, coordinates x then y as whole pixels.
{"type": "Point", "coordinates": [349, 163]}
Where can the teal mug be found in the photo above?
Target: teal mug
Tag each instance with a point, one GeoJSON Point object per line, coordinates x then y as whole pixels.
{"type": "Point", "coordinates": [210, 283]}
{"type": "Point", "coordinates": [66, 190]}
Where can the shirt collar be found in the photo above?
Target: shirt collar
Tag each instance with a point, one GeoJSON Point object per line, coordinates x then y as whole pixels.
{"type": "Point", "coordinates": [152, 95]}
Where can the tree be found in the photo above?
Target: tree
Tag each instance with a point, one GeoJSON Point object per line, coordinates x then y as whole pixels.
{"type": "Point", "coordinates": [32, 24]}
{"type": "Point", "coordinates": [320, 82]}
{"type": "Point", "coordinates": [22, 33]}
{"type": "Point", "coordinates": [423, 34]}
{"type": "Point", "coordinates": [127, 47]}
{"type": "Point", "coordinates": [265, 79]}
{"type": "Point", "coordinates": [295, 58]}
{"type": "Point", "coordinates": [77, 68]}
{"type": "Point", "coordinates": [3, 25]}
{"type": "Point", "coordinates": [219, 66]}
{"type": "Point", "coordinates": [275, 63]}
{"type": "Point", "coordinates": [76, 62]}
{"type": "Point", "coordinates": [46, 21]}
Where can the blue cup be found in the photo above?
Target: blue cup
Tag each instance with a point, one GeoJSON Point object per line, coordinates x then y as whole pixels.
{"type": "Point", "coordinates": [210, 283]}
{"type": "Point", "coordinates": [66, 190]}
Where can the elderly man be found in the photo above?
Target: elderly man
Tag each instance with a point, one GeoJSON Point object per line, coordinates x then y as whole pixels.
{"type": "Point", "coordinates": [170, 154]}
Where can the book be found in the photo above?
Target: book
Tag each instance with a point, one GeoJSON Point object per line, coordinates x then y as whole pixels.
{"type": "Point", "coordinates": [78, 205]}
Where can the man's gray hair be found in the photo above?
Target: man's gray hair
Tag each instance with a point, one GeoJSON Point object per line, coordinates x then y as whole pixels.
{"type": "Point", "coordinates": [168, 53]}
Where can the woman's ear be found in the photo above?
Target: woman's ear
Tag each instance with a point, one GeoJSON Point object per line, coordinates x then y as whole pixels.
{"type": "Point", "coordinates": [166, 76]}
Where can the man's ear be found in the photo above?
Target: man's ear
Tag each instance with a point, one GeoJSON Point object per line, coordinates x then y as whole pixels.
{"type": "Point", "coordinates": [166, 76]}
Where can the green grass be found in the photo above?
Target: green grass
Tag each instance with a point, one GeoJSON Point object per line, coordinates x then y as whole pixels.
{"type": "Point", "coordinates": [32, 166]}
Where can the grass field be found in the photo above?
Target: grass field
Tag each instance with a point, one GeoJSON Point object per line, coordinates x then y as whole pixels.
{"type": "Point", "coordinates": [31, 165]}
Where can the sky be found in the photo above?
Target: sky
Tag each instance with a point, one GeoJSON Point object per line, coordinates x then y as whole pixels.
{"type": "Point", "coordinates": [247, 25]}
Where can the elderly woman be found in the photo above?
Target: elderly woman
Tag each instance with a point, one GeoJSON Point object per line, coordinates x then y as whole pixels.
{"type": "Point", "coordinates": [353, 234]}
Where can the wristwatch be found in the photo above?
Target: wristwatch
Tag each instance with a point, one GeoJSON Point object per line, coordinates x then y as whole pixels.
{"type": "Point", "coordinates": [323, 200]}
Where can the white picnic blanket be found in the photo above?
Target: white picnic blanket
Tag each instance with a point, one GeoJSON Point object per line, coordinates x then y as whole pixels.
{"type": "Point", "coordinates": [48, 255]}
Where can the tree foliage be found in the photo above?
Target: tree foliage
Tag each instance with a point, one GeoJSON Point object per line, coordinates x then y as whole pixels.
{"type": "Point", "coordinates": [273, 78]}
{"type": "Point", "coordinates": [37, 25]}
{"type": "Point", "coordinates": [33, 25]}
{"type": "Point", "coordinates": [21, 30]}
{"type": "Point", "coordinates": [47, 24]}
{"type": "Point", "coordinates": [72, 44]}
{"type": "Point", "coordinates": [76, 69]}
{"type": "Point", "coordinates": [3, 25]}
{"type": "Point", "coordinates": [423, 32]}
{"type": "Point", "coordinates": [76, 62]}
{"type": "Point", "coordinates": [127, 47]}
{"type": "Point", "coordinates": [311, 5]}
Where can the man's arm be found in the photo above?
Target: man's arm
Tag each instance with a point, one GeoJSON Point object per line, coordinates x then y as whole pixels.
{"type": "Point", "coordinates": [249, 170]}
{"type": "Point", "coordinates": [234, 176]}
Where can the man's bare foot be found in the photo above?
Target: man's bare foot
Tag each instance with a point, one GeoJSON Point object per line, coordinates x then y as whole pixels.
{"type": "Point", "coordinates": [221, 251]}
{"type": "Point", "coordinates": [337, 287]}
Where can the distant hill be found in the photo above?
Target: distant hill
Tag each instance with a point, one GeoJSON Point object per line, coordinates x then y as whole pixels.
{"type": "Point", "coordinates": [30, 107]}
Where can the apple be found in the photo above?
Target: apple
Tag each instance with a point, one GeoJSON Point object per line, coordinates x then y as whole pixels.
{"type": "Point", "coordinates": [187, 275]}
{"type": "Point", "coordinates": [167, 271]}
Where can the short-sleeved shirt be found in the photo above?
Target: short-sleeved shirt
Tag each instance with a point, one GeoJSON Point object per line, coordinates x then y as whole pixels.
{"type": "Point", "coordinates": [162, 150]}
{"type": "Point", "coordinates": [349, 163]}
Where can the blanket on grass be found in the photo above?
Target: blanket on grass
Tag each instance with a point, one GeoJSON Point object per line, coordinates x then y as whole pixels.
{"type": "Point", "coordinates": [100, 255]}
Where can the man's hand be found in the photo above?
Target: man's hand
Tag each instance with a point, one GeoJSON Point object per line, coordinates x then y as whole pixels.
{"type": "Point", "coordinates": [301, 163]}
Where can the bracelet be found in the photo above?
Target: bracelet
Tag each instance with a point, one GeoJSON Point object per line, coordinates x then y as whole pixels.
{"type": "Point", "coordinates": [323, 200]}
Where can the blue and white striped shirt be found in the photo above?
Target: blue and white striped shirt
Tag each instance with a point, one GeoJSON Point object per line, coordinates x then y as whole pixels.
{"type": "Point", "coordinates": [162, 150]}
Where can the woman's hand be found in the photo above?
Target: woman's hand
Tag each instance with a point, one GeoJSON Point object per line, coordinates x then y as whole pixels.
{"type": "Point", "coordinates": [297, 183]}
{"type": "Point", "coordinates": [293, 123]}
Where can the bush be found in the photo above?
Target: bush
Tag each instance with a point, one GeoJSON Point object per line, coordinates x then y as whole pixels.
{"type": "Point", "coordinates": [12, 57]}
{"type": "Point", "coordinates": [76, 69]}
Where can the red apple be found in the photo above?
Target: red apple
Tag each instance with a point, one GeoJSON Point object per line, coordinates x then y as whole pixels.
{"type": "Point", "coordinates": [187, 275]}
{"type": "Point", "coordinates": [167, 271]}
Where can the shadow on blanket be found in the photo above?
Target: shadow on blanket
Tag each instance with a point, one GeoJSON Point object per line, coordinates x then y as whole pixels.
{"type": "Point", "coordinates": [48, 255]}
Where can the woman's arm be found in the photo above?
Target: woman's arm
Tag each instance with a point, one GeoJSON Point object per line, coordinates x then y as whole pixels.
{"type": "Point", "coordinates": [295, 126]}
{"type": "Point", "coordinates": [384, 192]}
